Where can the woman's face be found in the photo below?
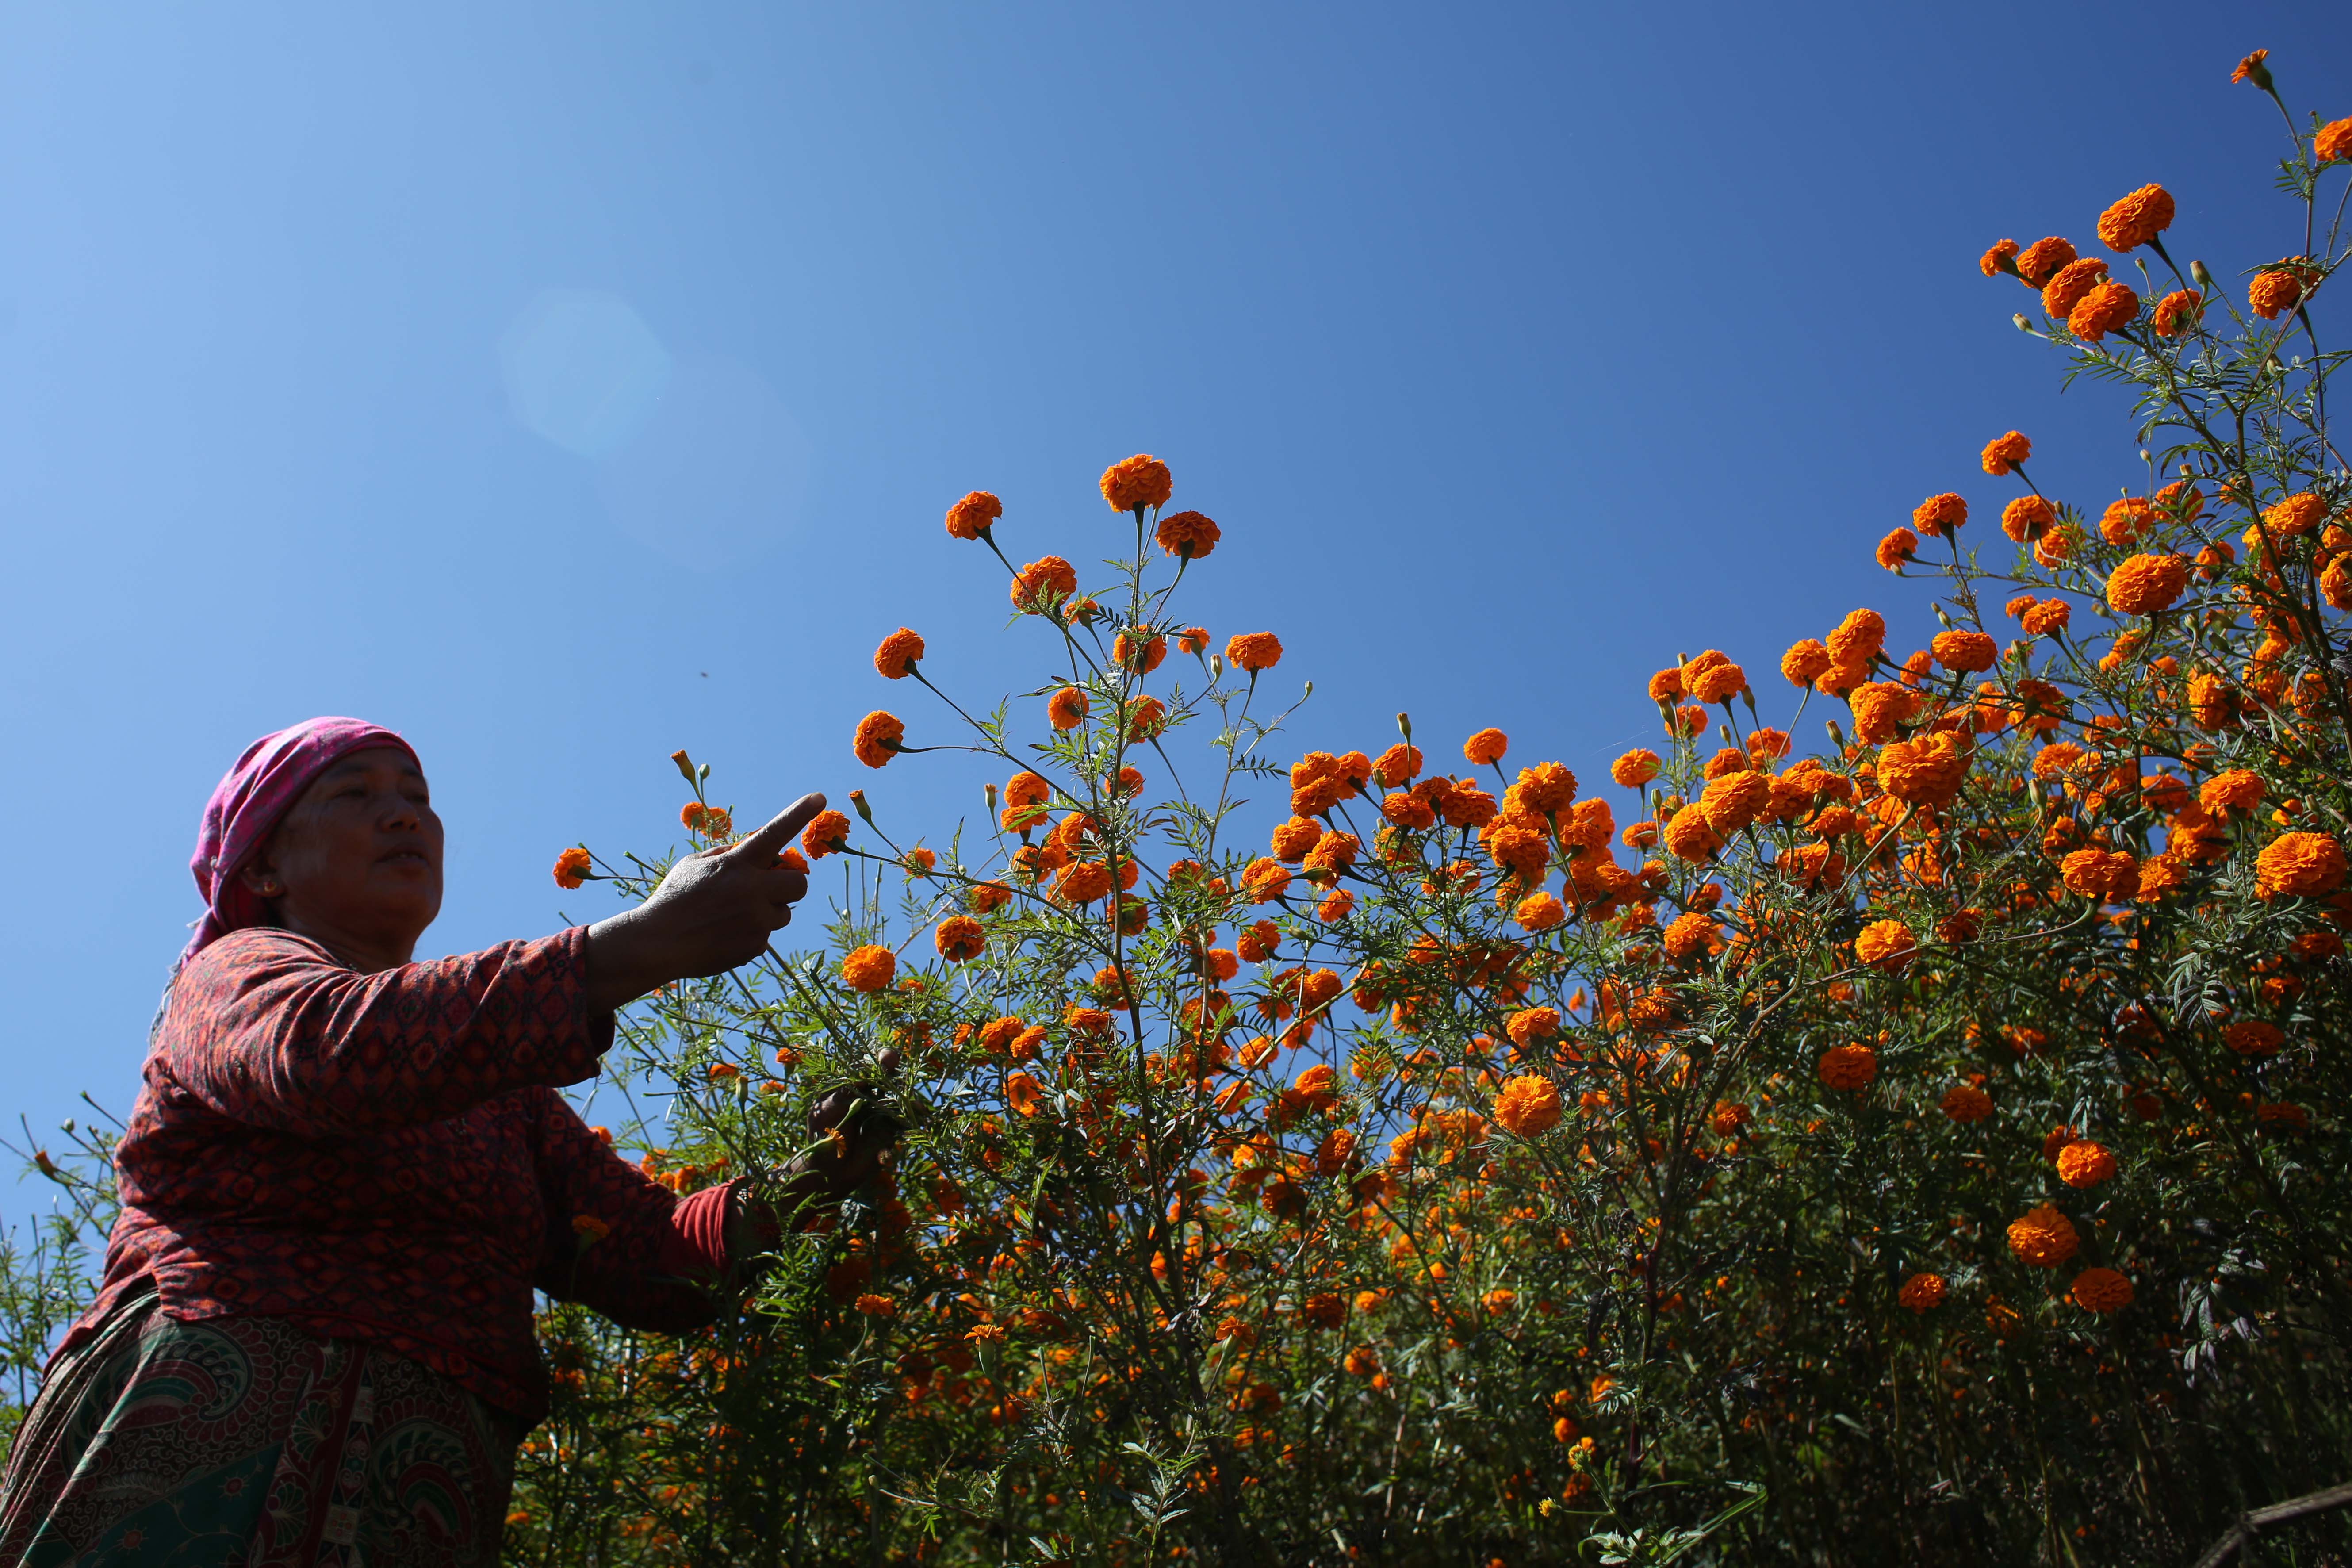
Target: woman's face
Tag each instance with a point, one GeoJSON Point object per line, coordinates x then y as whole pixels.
{"type": "Point", "coordinates": [356, 864]}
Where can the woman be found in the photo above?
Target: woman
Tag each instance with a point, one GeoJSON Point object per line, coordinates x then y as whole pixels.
{"type": "Point", "coordinates": [344, 1176]}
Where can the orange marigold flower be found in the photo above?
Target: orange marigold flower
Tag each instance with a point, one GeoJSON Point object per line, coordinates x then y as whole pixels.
{"type": "Point", "coordinates": [2178, 311]}
{"type": "Point", "coordinates": [2251, 70]}
{"type": "Point", "coordinates": [1713, 677]}
{"type": "Point", "coordinates": [1043, 582]}
{"type": "Point", "coordinates": [1885, 944]}
{"type": "Point", "coordinates": [2110, 877]}
{"type": "Point", "coordinates": [1292, 839]}
{"type": "Point", "coordinates": [1733, 801]}
{"type": "Point", "coordinates": [1266, 881]}
{"type": "Point", "coordinates": [1186, 533]}
{"type": "Point", "coordinates": [572, 868]}
{"type": "Point", "coordinates": [1020, 1093]}
{"type": "Point", "coordinates": [2084, 1165]}
{"type": "Point", "coordinates": [1145, 720]}
{"type": "Point", "coordinates": [1139, 653]}
{"type": "Point", "coordinates": [1880, 709]}
{"type": "Point", "coordinates": [827, 832]}
{"type": "Point", "coordinates": [1134, 484]}
{"type": "Point", "coordinates": [1486, 746]}
{"type": "Point", "coordinates": [895, 658]}
{"type": "Point", "coordinates": [1545, 788]}
{"type": "Point", "coordinates": [2044, 1237]}
{"type": "Point", "coordinates": [1858, 637]}
{"type": "Point", "coordinates": [1336, 906]}
{"type": "Point", "coordinates": [2025, 519]}
{"type": "Point", "coordinates": [972, 517]}
{"type": "Point", "coordinates": [1691, 836]}
{"type": "Point", "coordinates": [1539, 911]}
{"type": "Point", "coordinates": [1193, 639]}
{"type": "Point", "coordinates": [1847, 1067]}
{"type": "Point", "coordinates": [1922, 1292]}
{"type": "Point", "coordinates": [2274, 293]}
{"type": "Point", "coordinates": [987, 897]}
{"type": "Point", "coordinates": [2041, 261]}
{"type": "Point", "coordinates": [1635, 768]}
{"type": "Point", "coordinates": [2003, 454]}
{"type": "Point", "coordinates": [2297, 514]}
{"type": "Point", "coordinates": [1335, 851]}
{"type": "Point", "coordinates": [1666, 685]}
{"type": "Point", "coordinates": [2125, 518]}
{"type": "Point", "coordinates": [1398, 765]}
{"type": "Point", "coordinates": [1964, 1103]}
{"type": "Point", "coordinates": [1969, 651]}
{"type": "Point", "coordinates": [2300, 865]}
{"type": "Point", "coordinates": [1411, 811]}
{"type": "Point", "coordinates": [2101, 1290]}
{"type": "Point", "coordinates": [2001, 258]}
{"type": "Point", "coordinates": [2146, 584]}
{"type": "Point", "coordinates": [960, 937]}
{"type": "Point", "coordinates": [2334, 143]}
{"type": "Point", "coordinates": [870, 968]}
{"type": "Point", "coordinates": [1940, 515]}
{"type": "Point", "coordinates": [1082, 882]}
{"type": "Point", "coordinates": [1067, 708]}
{"type": "Point", "coordinates": [2106, 309]}
{"type": "Point", "coordinates": [1805, 662]}
{"type": "Point", "coordinates": [879, 737]}
{"type": "Point", "coordinates": [2233, 789]}
{"type": "Point", "coordinates": [1896, 548]}
{"type": "Point", "coordinates": [2069, 283]}
{"type": "Point", "coordinates": [1927, 771]}
{"type": "Point", "coordinates": [589, 1229]}
{"type": "Point", "coordinates": [1528, 1105]}
{"type": "Point", "coordinates": [1692, 935]}
{"type": "Point", "coordinates": [2135, 219]}
{"type": "Point", "coordinates": [1254, 651]}
{"type": "Point", "coordinates": [1529, 1027]}
{"type": "Point", "coordinates": [919, 861]}
{"type": "Point", "coordinates": [2043, 616]}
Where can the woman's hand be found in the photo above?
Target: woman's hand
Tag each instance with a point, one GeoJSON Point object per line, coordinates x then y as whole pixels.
{"type": "Point", "coordinates": [714, 911]}
{"type": "Point", "coordinates": [837, 1166]}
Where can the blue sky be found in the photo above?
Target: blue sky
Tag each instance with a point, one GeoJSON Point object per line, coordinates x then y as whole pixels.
{"type": "Point", "coordinates": [563, 384]}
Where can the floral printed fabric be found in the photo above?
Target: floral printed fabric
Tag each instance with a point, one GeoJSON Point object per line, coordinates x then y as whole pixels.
{"type": "Point", "coordinates": [245, 1441]}
{"type": "Point", "coordinates": [383, 1157]}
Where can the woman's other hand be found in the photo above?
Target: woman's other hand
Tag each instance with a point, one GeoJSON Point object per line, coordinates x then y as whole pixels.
{"type": "Point", "coordinates": [715, 910]}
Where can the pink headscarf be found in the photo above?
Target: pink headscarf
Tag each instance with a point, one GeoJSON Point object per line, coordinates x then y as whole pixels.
{"type": "Point", "coordinates": [250, 801]}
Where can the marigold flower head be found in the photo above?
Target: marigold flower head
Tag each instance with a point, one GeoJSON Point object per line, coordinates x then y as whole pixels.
{"type": "Point", "coordinates": [1718, 680]}
{"type": "Point", "coordinates": [877, 739]}
{"type": "Point", "coordinates": [2251, 70]}
{"type": "Point", "coordinates": [1885, 944]}
{"type": "Point", "coordinates": [2001, 258]}
{"type": "Point", "coordinates": [1544, 789]}
{"type": "Point", "coordinates": [1485, 747]}
{"type": "Point", "coordinates": [1666, 685]}
{"type": "Point", "coordinates": [1539, 911]}
{"type": "Point", "coordinates": [2334, 143]}
{"type": "Point", "coordinates": [2274, 293]}
{"type": "Point", "coordinates": [2043, 1237]}
{"type": "Point", "coordinates": [1136, 483]}
{"type": "Point", "coordinates": [1193, 639]}
{"type": "Point", "coordinates": [1043, 582]}
{"type": "Point", "coordinates": [1880, 709]}
{"type": "Point", "coordinates": [2297, 514]}
{"type": "Point", "coordinates": [2084, 1165]}
{"type": "Point", "coordinates": [1965, 1102]}
{"type": "Point", "coordinates": [2144, 584]}
{"type": "Point", "coordinates": [2126, 518]}
{"type": "Point", "coordinates": [1733, 801]}
{"type": "Point", "coordinates": [1635, 768]}
{"type": "Point", "coordinates": [1186, 533]}
{"type": "Point", "coordinates": [1141, 652]}
{"type": "Point", "coordinates": [870, 968]}
{"type": "Point", "coordinates": [1896, 548]}
{"type": "Point", "coordinates": [1692, 935]}
{"type": "Point", "coordinates": [1926, 771]}
{"type": "Point", "coordinates": [1858, 637]}
{"type": "Point", "coordinates": [1337, 905]}
{"type": "Point", "coordinates": [2069, 283]}
{"type": "Point", "coordinates": [2108, 876]}
{"type": "Point", "coordinates": [2003, 454]}
{"type": "Point", "coordinates": [1805, 662]}
{"type": "Point", "coordinates": [972, 517]}
{"type": "Point", "coordinates": [1690, 836]}
{"type": "Point", "coordinates": [1847, 1067]}
{"type": "Point", "coordinates": [1067, 708]}
{"type": "Point", "coordinates": [2300, 865]}
{"type": "Point", "coordinates": [1962, 650]}
{"type": "Point", "coordinates": [2178, 311]}
{"type": "Point", "coordinates": [2232, 789]}
{"type": "Point", "coordinates": [1922, 1292]}
{"type": "Point", "coordinates": [2041, 261]}
{"type": "Point", "coordinates": [2101, 1290]}
{"type": "Point", "coordinates": [960, 937]}
{"type": "Point", "coordinates": [895, 658]}
{"type": "Point", "coordinates": [827, 832]}
{"type": "Point", "coordinates": [1528, 1105]}
{"type": "Point", "coordinates": [2106, 309]}
{"type": "Point", "coordinates": [1530, 1026]}
{"type": "Point", "coordinates": [2137, 218]}
{"type": "Point", "coordinates": [1254, 651]}
{"type": "Point", "coordinates": [2025, 519]}
{"type": "Point", "coordinates": [572, 868]}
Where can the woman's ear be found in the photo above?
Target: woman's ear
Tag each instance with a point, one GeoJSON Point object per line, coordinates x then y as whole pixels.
{"type": "Point", "coordinates": [259, 875]}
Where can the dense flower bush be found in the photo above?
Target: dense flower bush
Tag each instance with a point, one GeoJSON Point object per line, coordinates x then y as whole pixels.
{"type": "Point", "coordinates": [1930, 1145]}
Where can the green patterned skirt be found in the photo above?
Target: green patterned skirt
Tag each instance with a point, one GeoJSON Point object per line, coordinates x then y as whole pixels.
{"type": "Point", "coordinates": [246, 1442]}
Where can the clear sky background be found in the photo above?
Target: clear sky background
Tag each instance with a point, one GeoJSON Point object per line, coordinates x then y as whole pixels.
{"type": "Point", "coordinates": [563, 385]}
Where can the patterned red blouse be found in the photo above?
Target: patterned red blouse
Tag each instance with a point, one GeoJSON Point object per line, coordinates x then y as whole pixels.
{"type": "Point", "coordinates": [383, 1157]}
